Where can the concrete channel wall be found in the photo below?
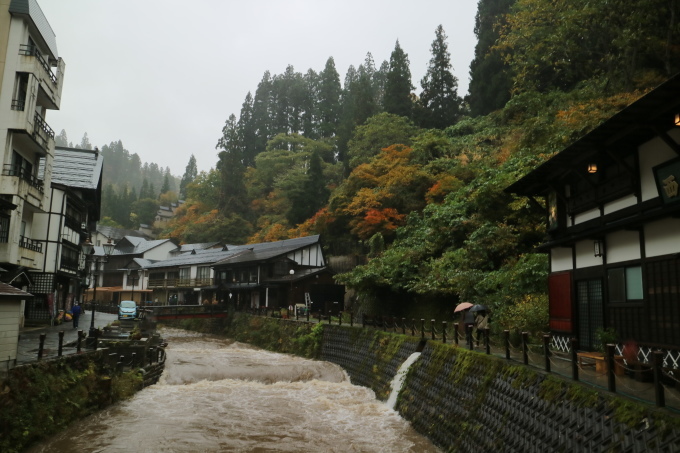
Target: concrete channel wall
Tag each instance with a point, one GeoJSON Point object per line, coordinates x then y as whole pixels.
{"type": "Point", "coordinates": [44, 397]}
{"type": "Point", "coordinates": [466, 401]}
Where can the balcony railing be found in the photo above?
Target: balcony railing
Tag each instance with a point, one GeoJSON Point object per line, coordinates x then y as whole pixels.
{"type": "Point", "coordinates": [30, 244]}
{"type": "Point", "coordinates": [18, 104]}
{"type": "Point", "coordinates": [42, 125]}
{"type": "Point", "coordinates": [32, 51]}
{"type": "Point", "coordinates": [16, 170]}
{"type": "Point", "coordinates": [179, 282]}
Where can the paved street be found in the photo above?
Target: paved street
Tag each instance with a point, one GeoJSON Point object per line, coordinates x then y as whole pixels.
{"type": "Point", "coordinates": [29, 337]}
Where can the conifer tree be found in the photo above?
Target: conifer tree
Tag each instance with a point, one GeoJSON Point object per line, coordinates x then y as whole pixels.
{"type": "Point", "coordinates": [190, 173]}
{"type": "Point", "coordinates": [231, 169]}
{"type": "Point", "coordinates": [490, 78]}
{"type": "Point", "coordinates": [398, 85]}
{"type": "Point", "coordinates": [262, 106]}
{"type": "Point", "coordinates": [329, 100]}
{"type": "Point", "coordinates": [439, 99]}
{"type": "Point", "coordinates": [248, 132]}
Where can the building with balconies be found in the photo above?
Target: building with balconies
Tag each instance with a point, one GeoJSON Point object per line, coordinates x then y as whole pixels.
{"type": "Point", "coordinates": [74, 208]}
{"type": "Point", "coordinates": [186, 278]}
{"type": "Point", "coordinates": [31, 80]}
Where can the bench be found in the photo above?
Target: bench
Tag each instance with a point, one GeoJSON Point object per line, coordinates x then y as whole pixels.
{"type": "Point", "coordinates": [598, 359]}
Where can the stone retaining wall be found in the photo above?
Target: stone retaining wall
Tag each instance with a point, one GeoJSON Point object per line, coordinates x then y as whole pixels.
{"type": "Point", "coordinates": [465, 401]}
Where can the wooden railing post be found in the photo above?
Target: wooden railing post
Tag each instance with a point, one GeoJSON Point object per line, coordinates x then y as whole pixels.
{"type": "Point", "coordinates": [546, 352]}
{"type": "Point", "coordinates": [60, 349]}
{"type": "Point", "coordinates": [574, 358]}
{"type": "Point", "coordinates": [486, 341]}
{"type": "Point", "coordinates": [611, 378]}
{"type": "Point", "coordinates": [422, 328]}
{"type": "Point", "coordinates": [525, 347]}
{"type": "Point", "coordinates": [455, 333]}
{"type": "Point", "coordinates": [506, 334]}
{"type": "Point", "coordinates": [658, 375]}
{"type": "Point", "coordinates": [444, 324]}
{"type": "Point", "coordinates": [41, 346]}
{"type": "Point", "coordinates": [80, 341]}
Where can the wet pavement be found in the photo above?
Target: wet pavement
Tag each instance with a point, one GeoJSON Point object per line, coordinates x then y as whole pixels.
{"type": "Point", "coordinates": [29, 338]}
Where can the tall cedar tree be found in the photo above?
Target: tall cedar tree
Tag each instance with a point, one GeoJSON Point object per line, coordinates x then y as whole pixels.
{"type": "Point", "coordinates": [247, 131]}
{"type": "Point", "coordinates": [398, 86]}
{"type": "Point", "coordinates": [309, 126]}
{"type": "Point", "coordinates": [231, 169]}
{"type": "Point", "coordinates": [190, 173]}
{"type": "Point", "coordinates": [313, 196]}
{"type": "Point", "coordinates": [329, 94]}
{"type": "Point", "coordinates": [490, 78]}
{"type": "Point", "coordinates": [166, 183]}
{"type": "Point", "coordinates": [262, 106]}
{"type": "Point", "coordinates": [347, 125]}
{"type": "Point", "coordinates": [439, 99]}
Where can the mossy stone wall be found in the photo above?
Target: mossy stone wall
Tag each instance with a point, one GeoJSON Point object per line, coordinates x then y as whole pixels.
{"type": "Point", "coordinates": [40, 399]}
{"type": "Point", "coordinates": [466, 401]}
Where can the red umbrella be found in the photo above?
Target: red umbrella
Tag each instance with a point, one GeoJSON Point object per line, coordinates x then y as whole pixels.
{"type": "Point", "coordinates": [462, 306]}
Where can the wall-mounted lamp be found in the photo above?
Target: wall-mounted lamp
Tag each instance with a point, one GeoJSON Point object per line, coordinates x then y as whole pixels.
{"type": "Point", "coordinates": [592, 168]}
{"type": "Point", "coordinates": [677, 119]}
{"type": "Point", "coordinates": [598, 247]}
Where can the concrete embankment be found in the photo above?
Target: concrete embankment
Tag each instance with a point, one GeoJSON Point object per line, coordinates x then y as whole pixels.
{"type": "Point", "coordinates": [466, 401]}
{"type": "Point", "coordinates": [41, 398]}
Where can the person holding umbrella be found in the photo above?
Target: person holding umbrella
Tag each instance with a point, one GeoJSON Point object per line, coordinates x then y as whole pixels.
{"type": "Point", "coordinates": [481, 319]}
{"type": "Point", "coordinates": [463, 309]}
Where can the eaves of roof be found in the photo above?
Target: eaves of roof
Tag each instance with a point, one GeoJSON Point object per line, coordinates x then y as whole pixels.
{"type": "Point", "coordinates": [639, 122]}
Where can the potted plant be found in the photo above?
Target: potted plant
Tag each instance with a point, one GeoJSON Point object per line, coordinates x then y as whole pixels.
{"type": "Point", "coordinates": [604, 337]}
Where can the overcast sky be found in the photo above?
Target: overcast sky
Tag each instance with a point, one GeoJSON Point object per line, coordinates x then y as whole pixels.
{"type": "Point", "coordinates": [164, 75]}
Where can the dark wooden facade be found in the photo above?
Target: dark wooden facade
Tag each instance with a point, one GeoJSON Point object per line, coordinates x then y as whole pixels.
{"type": "Point", "coordinates": [613, 225]}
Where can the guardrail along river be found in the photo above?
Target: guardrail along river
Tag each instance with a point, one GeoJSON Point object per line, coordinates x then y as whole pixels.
{"type": "Point", "coordinates": [217, 395]}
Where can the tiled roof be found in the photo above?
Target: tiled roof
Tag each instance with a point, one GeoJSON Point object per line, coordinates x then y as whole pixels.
{"type": "Point", "coordinates": [116, 234]}
{"type": "Point", "coordinates": [267, 250]}
{"type": "Point", "coordinates": [9, 291]}
{"type": "Point", "coordinates": [131, 245]}
{"type": "Point", "coordinates": [79, 168]}
{"type": "Point", "coordinates": [207, 256]}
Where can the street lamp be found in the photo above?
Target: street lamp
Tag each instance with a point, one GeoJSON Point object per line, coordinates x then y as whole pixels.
{"type": "Point", "coordinates": [88, 250]}
{"type": "Point", "coordinates": [292, 274]}
{"type": "Point", "coordinates": [129, 273]}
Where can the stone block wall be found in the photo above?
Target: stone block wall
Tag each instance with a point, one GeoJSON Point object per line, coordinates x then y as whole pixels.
{"type": "Point", "coordinates": [469, 402]}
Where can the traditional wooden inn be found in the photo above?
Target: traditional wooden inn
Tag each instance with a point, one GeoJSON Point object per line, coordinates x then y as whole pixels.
{"type": "Point", "coordinates": [278, 275]}
{"type": "Point", "coordinates": [613, 228]}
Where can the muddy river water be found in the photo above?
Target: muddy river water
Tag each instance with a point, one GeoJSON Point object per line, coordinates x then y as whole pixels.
{"type": "Point", "coordinates": [217, 395]}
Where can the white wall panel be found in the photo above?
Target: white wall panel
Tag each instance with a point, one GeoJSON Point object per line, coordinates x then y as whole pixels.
{"type": "Point", "coordinates": [662, 237]}
{"type": "Point", "coordinates": [621, 203]}
{"type": "Point", "coordinates": [585, 255]}
{"type": "Point", "coordinates": [623, 246]}
{"type": "Point", "coordinates": [587, 215]}
{"type": "Point", "coordinates": [561, 259]}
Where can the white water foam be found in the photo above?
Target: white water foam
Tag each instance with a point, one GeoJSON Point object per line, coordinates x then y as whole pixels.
{"type": "Point", "coordinates": [398, 380]}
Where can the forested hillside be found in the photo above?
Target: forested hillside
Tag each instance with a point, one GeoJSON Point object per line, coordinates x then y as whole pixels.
{"type": "Point", "coordinates": [412, 178]}
{"type": "Point", "coordinates": [132, 190]}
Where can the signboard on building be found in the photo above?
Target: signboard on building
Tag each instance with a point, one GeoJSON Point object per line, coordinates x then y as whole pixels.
{"type": "Point", "coordinates": [667, 176]}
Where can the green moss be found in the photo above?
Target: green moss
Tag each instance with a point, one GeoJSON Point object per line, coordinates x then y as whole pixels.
{"type": "Point", "coordinates": [126, 385]}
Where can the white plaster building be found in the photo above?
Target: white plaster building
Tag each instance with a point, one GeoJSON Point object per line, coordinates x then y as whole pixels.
{"type": "Point", "coordinates": [31, 80]}
{"type": "Point", "coordinates": [613, 227]}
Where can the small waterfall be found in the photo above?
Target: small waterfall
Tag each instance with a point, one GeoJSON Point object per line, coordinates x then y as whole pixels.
{"type": "Point", "coordinates": [398, 380]}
